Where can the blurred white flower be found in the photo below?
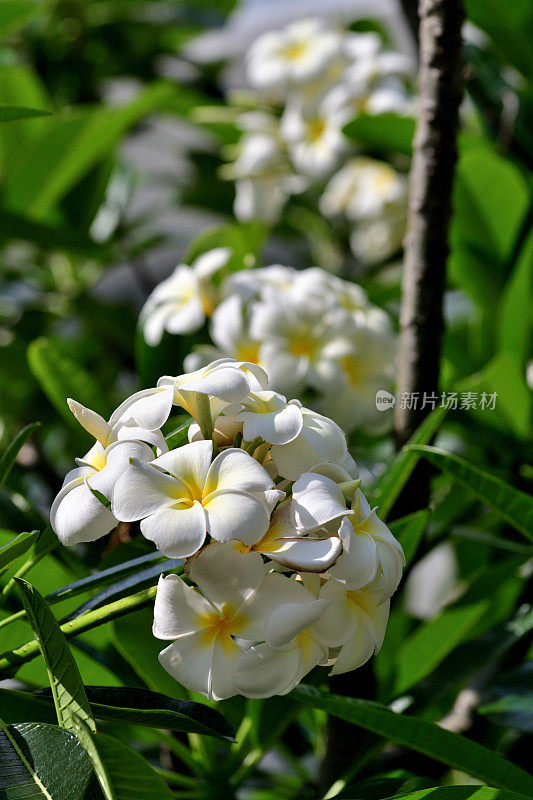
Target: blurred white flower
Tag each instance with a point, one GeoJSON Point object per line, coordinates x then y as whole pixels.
{"type": "Point", "coordinates": [298, 53]}
{"type": "Point", "coordinates": [181, 496]}
{"type": "Point", "coordinates": [181, 303]}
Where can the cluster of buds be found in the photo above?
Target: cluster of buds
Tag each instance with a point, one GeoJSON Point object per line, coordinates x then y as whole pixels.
{"type": "Point", "coordinates": [311, 331]}
{"type": "Point", "coordinates": [309, 80]}
{"type": "Point", "coordinates": [286, 566]}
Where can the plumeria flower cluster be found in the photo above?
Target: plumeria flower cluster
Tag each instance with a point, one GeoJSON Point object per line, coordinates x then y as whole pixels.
{"type": "Point", "coordinates": [286, 566]}
{"type": "Point", "coordinates": [313, 333]}
{"type": "Point", "coordinates": [308, 81]}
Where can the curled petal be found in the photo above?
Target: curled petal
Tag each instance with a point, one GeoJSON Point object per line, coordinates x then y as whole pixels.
{"type": "Point", "coordinates": [211, 261]}
{"type": "Point", "coordinates": [276, 427]}
{"type": "Point", "coordinates": [358, 563]}
{"type": "Point", "coordinates": [117, 462]}
{"type": "Point", "coordinates": [91, 421]}
{"type": "Point", "coordinates": [316, 500]}
{"type": "Point", "coordinates": [78, 516]}
{"type": "Point", "coordinates": [149, 408]}
{"type": "Point", "coordinates": [304, 553]}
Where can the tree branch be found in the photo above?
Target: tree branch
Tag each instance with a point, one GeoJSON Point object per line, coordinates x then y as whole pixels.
{"type": "Point", "coordinates": [426, 249]}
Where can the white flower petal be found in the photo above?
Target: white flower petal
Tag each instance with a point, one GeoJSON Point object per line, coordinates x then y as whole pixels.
{"type": "Point", "coordinates": [177, 607]}
{"type": "Point", "coordinates": [187, 317]}
{"type": "Point", "coordinates": [154, 321]}
{"type": "Point", "coordinates": [290, 619]}
{"type": "Point", "coordinates": [236, 515]}
{"type": "Point", "coordinates": [227, 578]}
{"type": "Point", "coordinates": [149, 408]}
{"type": "Point", "coordinates": [358, 563]}
{"type": "Point", "coordinates": [189, 660]}
{"type": "Point", "coordinates": [78, 516]}
{"type": "Point", "coordinates": [235, 469]}
{"type": "Point", "coordinates": [117, 462]}
{"type": "Point", "coordinates": [274, 590]}
{"type": "Point", "coordinates": [189, 464]}
{"type": "Point", "coordinates": [304, 553]}
{"type": "Point", "coordinates": [91, 421]}
{"type": "Point", "coordinates": [226, 658]}
{"type": "Point", "coordinates": [211, 261]}
{"type": "Point", "coordinates": [263, 672]}
{"type": "Point", "coordinates": [176, 532]}
{"type": "Point", "coordinates": [141, 490]}
{"type": "Point", "coordinates": [339, 621]}
{"type": "Point", "coordinates": [276, 427]}
{"type": "Point", "coordinates": [316, 500]}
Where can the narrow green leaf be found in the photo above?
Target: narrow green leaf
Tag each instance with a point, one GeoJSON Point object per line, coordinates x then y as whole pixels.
{"type": "Point", "coordinates": [462, 793]}
{"type": "Point", "coordinates": [70, 700]}
{"type": "Point", "coordinates": [33, 786]}
{"type": "Point", "coordinates": [60, 377]}
{"type": "Point", "coordinates": [130, 775]}
{"type": "Point", "coordinates": [386, 132]}
{"type": "Point", "coordinates": [514, 506]}
{"type": "Point", "coordinates": [409, 531]}
{"type": "Point", "coordinates": [425, 737]}
{"type": "Point", "coordinates": [9, 456]}
{"type": "Point", "coordinates": [391, 483]}
{"type": "Point", "coordinates": [432, 642]}
{"type": "Point", "coordinates": [20, 545]}
{"type": "Point", "coordinates": [12, 113]}
{"type": "Point", "coordinates": [512, 710]}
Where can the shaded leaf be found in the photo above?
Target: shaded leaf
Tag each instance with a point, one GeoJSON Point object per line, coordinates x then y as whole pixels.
{"type": "Point", "coordinates": [425, 737]}
{"type": "Point", "coordinates": [462, 793]}
{"type": "Point", "coordinates": [9, 456]}
{"type": "Point", "coordinates": [386, 132]}
{"type": "Point", "coordinates": [409, 531]}
{"type": "Point", "coordinates": [20, 545]}
{"type": "Point", "coordinates": [12, 113]}
{"type": "Point", "coordinates": [391, 483]}
{"type": "Point", "coordinates": [514, 506]}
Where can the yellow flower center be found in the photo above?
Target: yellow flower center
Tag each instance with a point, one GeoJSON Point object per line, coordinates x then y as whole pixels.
{"type": "Point", "coordinates": [301, 345]}
{"type": "Point", "coordinates": [315, 129]}
{"type": "Point", "coordinates": [295, 51]}
{"type": "Point", "coordinates": [350, 368]}
{"type": "Point", "coordinates": [248, 351]}
{"type": "Point", "coordinates": [220, 626]}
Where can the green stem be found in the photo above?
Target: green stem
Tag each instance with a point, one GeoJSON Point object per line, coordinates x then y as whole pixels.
{"type": "Point", "coordinates": [86, 622]}
{"type": "Point", "coordinates": [176, 779]}
{"type": "Point", "coordinates": [204, 418]}
{"type": "Point", "coordinates": [22, 570]}
{"type": "Point", "coordinates": [251, 446]}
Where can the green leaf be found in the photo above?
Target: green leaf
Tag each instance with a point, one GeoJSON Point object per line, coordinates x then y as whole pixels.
{"type": "Point", "coordinates": [12, 113]}
{"type": "Point", "coordinates": [425, 737]}
{"type": "Point", "coordinates": [391, 483]}
{"type": "Point", "coordinates": [47, 762]}
{"type": "Point", "coordinates": [15, 13]}
{"type": "Point", "coordinates": [70, 700]}
{"type": "Point", "coordinates": [509, 701]}
{"type": "Point", "coordinates": [30, 770]}
{"type": "Point", "coordinates": [510, 25]}
{"type": "Point", "coordinates": [462, 793]}
{"type": "Point", "coordinates": [60, 377]}
{"type": "Point", "coordinates": [386, 132]}
{"type": "Point", "coordinates": [409, 531]}
{"type": "Point", "coordinates": [155, 710]}
{"type": "Point", "coordinates": [9, 456]}
{"type": "Point", "coordinates": [68, 147]}
{"type": "Point", "coordinates": [20, 545]}
{"type": "Point", "coordinates": [432, 642]}
{"type": "Point", "coordinates": [514, 506]}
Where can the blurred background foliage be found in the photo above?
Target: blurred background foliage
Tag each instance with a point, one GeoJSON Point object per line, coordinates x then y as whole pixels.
{"type": "Point", "coordinates": [100, 197]}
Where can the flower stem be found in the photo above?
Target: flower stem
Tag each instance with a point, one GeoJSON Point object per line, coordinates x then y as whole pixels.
{"type": "Point", "coordinates": [203, 415]}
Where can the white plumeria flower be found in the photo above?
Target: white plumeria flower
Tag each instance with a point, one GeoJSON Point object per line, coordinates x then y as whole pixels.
{"type": "Point", "coordinates": [290, 649]}
{"type": "Point", "coordinates": [268, 415]}
{"type": "Point", "coordinates": [249, 284]}
{"type": "Point", "coordinates": [314, 134]}
{"type": "Point", "coordinates": [224, 431]}
{"type": "Point", "coordinates": [298, 53]}
{"type": "Point", "coordinates": [224, 381]}
{"type": "Point", "coordinates": [359, 366]}
{"type": "Point", "coordinates": [290, 548]}
{"type": "Point", "coordinates": [368, 550]}
{"type": "Point", "coordinates": [77, 515]}
{"type": "Point", "coordinates": [230, 332]}
{"type": "Point", "coordinates": [237, 596]}
{"type": "Point", "coordinates": [320, 439]}
{"type": "Point", "coordinates": [356, 620]}
{"type": "Point", "coordinates": [364, 189]}
{"type": "Point", "coordinates": [262, 197]}
{"type": "Point", "coordinates": [181, 303]}
{"type": "Point", "coordinates": [181, 497]}
{"type": "Point", "coordinates": [376, 240]}
{"type": "Point", "coordinates": [294, 332]}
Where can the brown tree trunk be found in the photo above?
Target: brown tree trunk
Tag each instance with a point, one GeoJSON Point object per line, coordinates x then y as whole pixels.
{"type": "Point", "coordinates": [426, 246]}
